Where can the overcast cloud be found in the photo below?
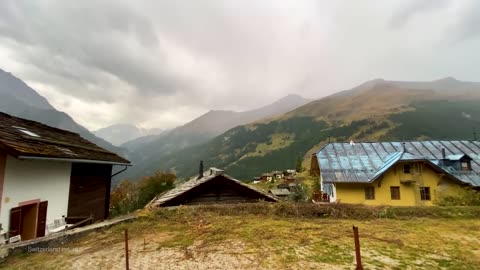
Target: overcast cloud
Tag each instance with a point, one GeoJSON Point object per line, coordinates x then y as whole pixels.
{"type": "Point", "coordinates": [163, 63]}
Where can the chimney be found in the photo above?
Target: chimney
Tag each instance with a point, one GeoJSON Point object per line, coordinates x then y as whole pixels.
{"type": "Point", "coordinates": [404, 148]}
{"type": "Point", "coordinates": [200, 170]}
{"type": "Point", "coordinates": [444, 156]}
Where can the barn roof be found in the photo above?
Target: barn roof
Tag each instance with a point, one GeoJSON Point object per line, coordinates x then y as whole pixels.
{"type": "Point", "coordinates": [194, 182]}
{"type": "Point", "coordinates": [363, 162]}
{"type": "Point", "coordinates": [25, 139]}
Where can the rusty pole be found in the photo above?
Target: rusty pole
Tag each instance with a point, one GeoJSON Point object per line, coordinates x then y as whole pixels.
{"type": "Point", "coordinates": [358, 257]}
{"type": "Point", "coordinates": [126, 249]}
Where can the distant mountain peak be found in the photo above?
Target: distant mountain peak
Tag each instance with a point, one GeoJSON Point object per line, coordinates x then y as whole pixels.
{"type": "Point", "coordinates": [447, 79]}
{"type": "Point", "coordinates": [120, 133]}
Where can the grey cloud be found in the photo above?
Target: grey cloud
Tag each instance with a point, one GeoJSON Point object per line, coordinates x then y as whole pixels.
{"type": "Point", "coordinates": [411, 8]}
{"type": "Point", "coordinates": [467, 26]}
{"type": "Point", "coordinates": [164, 62]}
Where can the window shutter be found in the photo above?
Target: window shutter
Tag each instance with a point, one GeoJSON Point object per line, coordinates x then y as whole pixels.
{"type": "Point", "coordinates": [42, 218]}
{"type": "Point", "coordinates": [15, 221]}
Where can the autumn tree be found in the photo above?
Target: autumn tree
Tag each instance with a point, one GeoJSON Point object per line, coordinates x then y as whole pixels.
{"type": "Point", "coordinates": [128, 196]}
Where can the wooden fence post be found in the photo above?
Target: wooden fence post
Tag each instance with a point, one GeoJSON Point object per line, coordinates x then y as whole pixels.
{"type": "Point", "coordinates": [358, 257]}
{"type": "Point", "coordinates": [126, 249]}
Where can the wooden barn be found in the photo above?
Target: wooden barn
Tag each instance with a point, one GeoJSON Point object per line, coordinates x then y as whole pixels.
{"type": "Point", "coordinates": [50, 177]}
{"type": "Point", "coordinates": [213, 187]}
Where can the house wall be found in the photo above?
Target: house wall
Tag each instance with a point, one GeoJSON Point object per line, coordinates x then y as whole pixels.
{"type": "Point", "coordinates": [409, 193]}
{"type": "Point", "coordinates": [27, 180]}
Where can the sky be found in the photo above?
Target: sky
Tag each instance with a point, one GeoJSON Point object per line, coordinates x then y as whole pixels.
{"type": "Point", "coordinates": [164, 63]}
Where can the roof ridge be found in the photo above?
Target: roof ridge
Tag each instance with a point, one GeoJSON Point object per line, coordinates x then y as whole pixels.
{"type": "Point", "coordinates": [38, 123]}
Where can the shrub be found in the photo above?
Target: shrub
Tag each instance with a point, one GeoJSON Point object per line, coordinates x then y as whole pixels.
{"type": "Point", "coordinates": [463, 197]}
{"type": "Point", "coordinates": [308, 210]}
{"type": "Point", "coordinates": [298, 193]}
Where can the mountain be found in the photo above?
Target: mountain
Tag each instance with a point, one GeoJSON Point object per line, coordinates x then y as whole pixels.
{"type": "Point", "coordinates": [146, 149]}
{"type": "Point", "coordinates": [122, 133]}
{"type": "Point", "coordinates": [375, 110]}
{"type": "Point", "coordinates": [18, 99]}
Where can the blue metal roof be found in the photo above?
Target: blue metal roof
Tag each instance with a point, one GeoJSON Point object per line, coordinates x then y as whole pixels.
{"type": "Point", "coordinates": [363, 162]}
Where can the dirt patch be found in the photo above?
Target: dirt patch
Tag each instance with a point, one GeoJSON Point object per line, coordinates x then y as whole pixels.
{"type": "Point", "coordinates": [226, 256]}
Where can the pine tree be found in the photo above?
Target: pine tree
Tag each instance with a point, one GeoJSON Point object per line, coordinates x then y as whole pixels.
{"type": "Point", "coordinates": [200, 170]}
{"type": "Point", "coordinates": [298, 165]}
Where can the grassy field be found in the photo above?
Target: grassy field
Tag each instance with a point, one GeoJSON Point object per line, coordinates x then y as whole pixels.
{"type": "Point", "coordinates": [281, 236]}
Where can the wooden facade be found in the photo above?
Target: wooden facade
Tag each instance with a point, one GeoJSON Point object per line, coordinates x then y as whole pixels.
{"type": "Point", "coordinates": [89, 191]}
{"type": "Point", "coordinates": [314, 167]}
{"type": "Point", "coordinates": [215, 189]}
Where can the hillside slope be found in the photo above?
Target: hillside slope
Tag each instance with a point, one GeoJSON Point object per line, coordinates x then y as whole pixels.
{"type": "Point", "coordinates": [377, 110]}
{"type": "Point", "coordinates": [144, 150]}
{"type": "Point", "coordinates": [18, 99]}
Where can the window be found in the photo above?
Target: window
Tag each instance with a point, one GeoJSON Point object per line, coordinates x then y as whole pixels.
{"type": "Point", "coordinates": [26, 131]}
{"type": "Point", "coordinates": [395, 193]}
{"type": "Point", "coordinates": [425, 193]}
{"type": "Point", "coordinates": [465, 166]}
{"type": "Point", "coordinates": [406, 168]}
{"type": "Point", "coordinates": [369, 193]}
{"type": "Point", "coordinates": [416, 168]}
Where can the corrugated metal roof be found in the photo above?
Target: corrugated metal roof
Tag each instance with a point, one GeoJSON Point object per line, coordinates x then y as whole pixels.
{"type": "Point", "coordinates": [194, 182]}
{"type": "Point", "coordinates": [455, 157]}
{"type": "Point", "coordinates": [363, 162]}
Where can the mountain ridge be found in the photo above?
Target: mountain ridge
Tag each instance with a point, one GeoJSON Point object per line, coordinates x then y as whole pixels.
{"type": "Point", "coordinates": [200, 130]}
{"type": "Point", "coordinates": [27, 103]}
{"type": "Point", "coordinates": [379, 110]}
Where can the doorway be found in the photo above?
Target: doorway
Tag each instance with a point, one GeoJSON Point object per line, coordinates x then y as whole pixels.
{"type": "Point", "coordinates": [28, 221]}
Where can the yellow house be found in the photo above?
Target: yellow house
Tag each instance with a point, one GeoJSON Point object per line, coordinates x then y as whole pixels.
{"type": "Point", "coordinates": [395, 173]}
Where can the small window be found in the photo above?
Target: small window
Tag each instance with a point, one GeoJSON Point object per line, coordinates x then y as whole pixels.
{"type": "Point", "coordinates": [465, 166]}
{"type": "Point", "coordinates": [425, 193]}
{"type": "Point", "coordinates": [395, 193]}
{"type": "Point", "coordinates": [26, 131]}
{"type": "Point", "coordinates": [369, 193]}
{"type": "Point", "coordinates": [406, 168]}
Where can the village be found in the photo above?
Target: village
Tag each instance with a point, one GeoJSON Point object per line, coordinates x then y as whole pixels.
{"type": "Point", "coordinates": [232, 135]}
{"type": "Point", "coordinates": [37, 158]}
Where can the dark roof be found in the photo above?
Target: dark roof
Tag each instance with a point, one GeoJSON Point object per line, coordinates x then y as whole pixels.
{"type": "Point", "coordinates": [364, 162]}
{"type": "Point", "coordinates": [27, 139]}
{"type": "Point", "coordinates": [195, 182]}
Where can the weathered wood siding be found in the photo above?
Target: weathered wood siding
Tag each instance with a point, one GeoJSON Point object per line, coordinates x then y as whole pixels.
{"type": "Point", "coordinates": [314, 168]}
{"type": "Point", "coordinates": [89, 190]}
